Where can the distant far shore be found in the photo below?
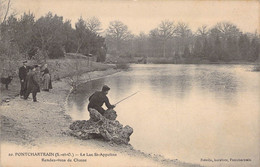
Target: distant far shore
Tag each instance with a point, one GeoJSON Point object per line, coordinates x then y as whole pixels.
{"type": "Point", "coordinates": [171, 60]}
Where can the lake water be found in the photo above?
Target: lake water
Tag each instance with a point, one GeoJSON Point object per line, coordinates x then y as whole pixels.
{"type": "Point", "coordinates": [185, 112]}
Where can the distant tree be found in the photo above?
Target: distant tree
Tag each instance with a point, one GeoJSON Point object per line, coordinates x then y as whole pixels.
{"type": "Point", "coordinates": [183, 30]}
{"type": "Point", "coordinates": [80, 33]}
{"type": "Point", "coordinates": [96, 45]}
{"type": "Point", "coordinates": [117, 33]}
{"type": "Point", "coordinates": [101, 56]}
{"type": "Point", "coordinates": [217, 50]}
{"type": "Point", "coordinates": [87, 41]}
{"type": "Point", "coordinates": [9, 28]}
{"type": "Point", "coordinates": [200, 42]}
{"type": "Point", "coordinates": [155, 43]}
{"type": "Point", "coordinates": [206, 49]}
{"type": "Point", "coordinates": [184, 37]}
{"type": "Point", "coordinates": [55, 51]}
{"type": "Point", "coordinates": [227, 29]}
{"type": "Point", "coordinates": [141, 45]}
{"type": "Point", "coordinates": [165, 31]}
{"type": "Point", "coordinates": [69, 42]}
{"type": "Point", "coordinates": [254, 50]}
{"type": "Point", "coordinates": [8, 48]}
{"type": "Point", "coordinates": [24, 35]}
{"type": "Point", "coordinates": [244, 47]}
{"type": "Point", "coordinates": [47, 31]}
{"type": "Point", "coordinates": [8, 45]}
{"type": "Point", "coordinates": [227, 35]}
{"type": "Point", "coordinates": [94, 25]}
{"type": "Point", "coordinates": [231, 49]}
{"type": "Point", "coordinates": [186, 52]}
{"type": "Point", "coordinates": [202, 31]}
{"type": "Point", "coordinates": [197, 50]}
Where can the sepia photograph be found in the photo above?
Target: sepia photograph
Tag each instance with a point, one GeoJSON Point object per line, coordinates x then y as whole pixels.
{"type": "Point", "coordinates": [130, 83]}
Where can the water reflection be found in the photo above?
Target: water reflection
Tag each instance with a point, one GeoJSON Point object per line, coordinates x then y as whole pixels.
{"type": "Point", "coordinates": [221, 82]}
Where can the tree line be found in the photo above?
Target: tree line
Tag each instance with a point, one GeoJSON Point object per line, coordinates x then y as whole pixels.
{"type": "Point", "coordinates": [50, 37]}
{"type": "Point", "coordinates": [223, 42]}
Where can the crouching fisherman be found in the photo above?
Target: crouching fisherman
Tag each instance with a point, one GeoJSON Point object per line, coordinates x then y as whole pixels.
{"type": "Point", "coordinates": [97, 99]}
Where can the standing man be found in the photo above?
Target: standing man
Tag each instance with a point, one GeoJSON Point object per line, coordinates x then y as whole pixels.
{"type": "Point", "coordinates": [22, 75]}
{"type": "Point", "coordinates": [97, 99]}
{"type": "Point", "coordinates": [32, 86]}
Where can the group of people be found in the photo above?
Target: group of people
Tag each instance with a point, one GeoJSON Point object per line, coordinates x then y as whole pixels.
{"type": "Point", "coordinates": [30, 82]}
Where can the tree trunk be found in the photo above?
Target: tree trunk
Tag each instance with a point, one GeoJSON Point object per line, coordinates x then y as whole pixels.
{"type": "Point", "coordinates": [79, 46]}
{"type": "Point", "coordinates": [117, 47]}
{"type": "Point", "coordinates": [164, 49]}
{"type": "Point", "coordinates": [7, 10]}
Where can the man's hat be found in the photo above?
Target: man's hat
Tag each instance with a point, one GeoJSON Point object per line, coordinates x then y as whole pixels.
{"type": "Point", "coordinates": [105, 88]}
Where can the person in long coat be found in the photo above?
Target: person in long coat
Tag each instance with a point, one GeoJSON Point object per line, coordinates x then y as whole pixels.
{"type": "Point", "coordinates": [22, 76]}
{"type": "Point", "coordinates": [32, 85]}
{"type": "Point", "coordinates": [46, 79]}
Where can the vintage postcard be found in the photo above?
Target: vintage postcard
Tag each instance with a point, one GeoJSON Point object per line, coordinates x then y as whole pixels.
{"type": "Point", "coordinates": [130, 83]}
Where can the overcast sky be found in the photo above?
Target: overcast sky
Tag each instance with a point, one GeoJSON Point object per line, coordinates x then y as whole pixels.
{"type": "Point", "coordinates": [144, 15]}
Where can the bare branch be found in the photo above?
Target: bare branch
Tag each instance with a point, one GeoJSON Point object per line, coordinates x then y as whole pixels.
{"type": "Point", "coordinates": [7, 10]}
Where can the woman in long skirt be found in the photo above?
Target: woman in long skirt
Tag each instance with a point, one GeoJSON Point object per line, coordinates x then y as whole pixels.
{"type": "Point", "coordinates": [46, 79]}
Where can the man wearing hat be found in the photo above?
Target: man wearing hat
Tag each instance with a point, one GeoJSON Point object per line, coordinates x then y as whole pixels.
{"type": "Point", "coordinates": [97, 99]}
{"type": "Point", "coordinates": [32, 86]}
{"type": "Point", "coordinates": [22, 75]}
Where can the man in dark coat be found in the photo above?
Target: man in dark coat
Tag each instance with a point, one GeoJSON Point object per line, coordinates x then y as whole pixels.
{"type": "Point", "coordinates": [32, 86]}
{"type": "Point", "coordinates": [97, 99]}
{"type": "Point", "coordinates": [22, 75]}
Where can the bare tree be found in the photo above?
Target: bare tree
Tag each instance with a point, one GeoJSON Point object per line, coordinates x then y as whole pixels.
{"type": "Point", "coordinates": [184, 36]}
{"type": "Point", "coordinates": [228, 29]}
{"type": "Point", "coordinates": [163, 32]}
{"type": "Point", "coordinates": [141, 44]}
{"type": "Point", "coordinates": [202, 31]}
{"type": "Point", "coordinates": [118, 32]}
{"type": "Point", "coordinates": [183, 30]}
{"type": "Point", "coordinates": [74, 80]}
{"type": "Point", "coordinates": [4, 8]}
{"type": "Point", "coordinates": [166, 32]}
{"type": "Point", "coordinates": [225, 30]}
{"type": "Point", "coordinates": [94, 25]}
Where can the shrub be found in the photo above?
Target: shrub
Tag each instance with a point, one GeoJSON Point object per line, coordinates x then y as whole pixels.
{"type": "Point", "coordinates": [123, 66]}
{"type": "Point", "coordinates": [32, 52]}
{"type": "Point", "coordinates": [256, 68]}
{"type": "Point", "coordinates": [55, 51]}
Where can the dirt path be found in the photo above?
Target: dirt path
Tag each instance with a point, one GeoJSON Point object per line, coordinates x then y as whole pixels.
{"type": "Point", "coordinates": [42, 127]}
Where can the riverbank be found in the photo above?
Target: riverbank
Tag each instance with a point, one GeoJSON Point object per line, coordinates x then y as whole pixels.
{"type": "Point", "coordinates": [28, 127]}
{"type": "Point", "coordinates": [172, 60]}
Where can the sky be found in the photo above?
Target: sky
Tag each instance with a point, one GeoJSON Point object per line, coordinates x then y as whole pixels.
{"type": "Point", "coordinates": [144, 15]}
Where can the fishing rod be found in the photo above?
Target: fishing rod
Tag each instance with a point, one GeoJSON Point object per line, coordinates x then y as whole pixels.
{"type": "Point", "coordinates": [126, 98]}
